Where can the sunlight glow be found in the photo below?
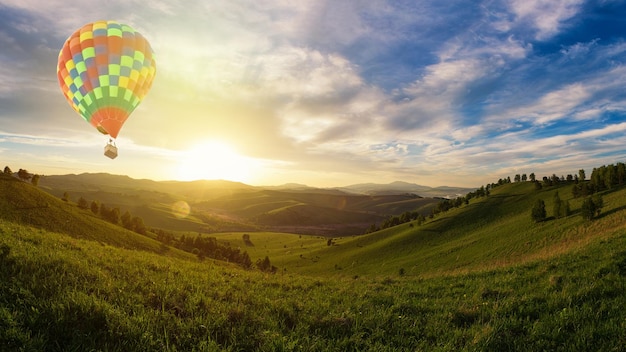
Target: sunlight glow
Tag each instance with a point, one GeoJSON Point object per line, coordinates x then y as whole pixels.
{"type": "Point", "coordinates": [213, 160]}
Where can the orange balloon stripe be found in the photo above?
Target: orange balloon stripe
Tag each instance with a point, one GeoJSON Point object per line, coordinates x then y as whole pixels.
{"type": "Point", "coordinates": [109, 118]}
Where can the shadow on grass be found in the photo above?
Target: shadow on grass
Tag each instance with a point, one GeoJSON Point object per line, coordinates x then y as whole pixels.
{"type": "Point", "coordinates": [612, 211]}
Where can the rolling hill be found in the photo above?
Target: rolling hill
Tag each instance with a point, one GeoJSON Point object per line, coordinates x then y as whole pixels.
{"type": "Point", "coordinates": [490, 232]}
{"type": "Point", "coordinates": [218, 206]}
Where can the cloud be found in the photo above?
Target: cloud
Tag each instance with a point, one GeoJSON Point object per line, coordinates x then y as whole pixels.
{"type": "Point", "coordinates": [545, 17]}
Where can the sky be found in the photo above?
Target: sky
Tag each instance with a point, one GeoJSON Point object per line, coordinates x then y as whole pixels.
{"type": "Point", "coordinates": [331, 93]}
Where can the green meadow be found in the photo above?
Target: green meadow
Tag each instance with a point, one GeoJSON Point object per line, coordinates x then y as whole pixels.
{"type": "Point", "coordinates": [481, 277]}
{"type": "Point", "coordinates": [488, 233]}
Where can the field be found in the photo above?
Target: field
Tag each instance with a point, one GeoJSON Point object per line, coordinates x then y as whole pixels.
{"type": "Point", "coordinates": [481, 277]}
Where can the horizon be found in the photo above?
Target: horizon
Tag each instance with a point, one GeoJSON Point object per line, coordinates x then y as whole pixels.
{"type": "Point", "coordinates": [326, 94]}
{"type": "Point", "coordinates": [538, 177]}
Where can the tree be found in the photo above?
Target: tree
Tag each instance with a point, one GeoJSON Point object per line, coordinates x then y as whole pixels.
{"type": "Point", "coordinates": [591, 207]}
{"type": "Point", "coordinates": [24, 175]}
{"type": "Point", "coordinates": [114, 216]}
{"type": "Point", "coordinates": [538, 212]}
{"type": "Point", "coordinates": [560, 207]}
{"type": "Point", "coordinates": [598, 203]}
{"type": "Point", "coordinates": [588, 209]}
{"type": "Point", "coordinates": [66, 197]}
{"type": "Point", "coordinates": [139, 226]}
{"type": "Point", "coordinates": [82, 203]}
{"type": "Point", "coordinates": [95, 208]}
{"type": "Point", "coordinates": [127, 220]}
{"type": "Point", "coordinates": [610, 176]}
{"type": "Point", "coordinates": [517, 178]}
{"type": "Point", "coordinates": [524, 177]}
{"type": "Point", "coordinates": [621, 173]}
{"type": "Point", "coordinates": [581, 175]}
{"type": "Point", "coordinates": [556, 206]}
{"type": "Point", "coordinates": [555, 179]}
{"type": "Point", "coordinates": [266, 265]}
{"type": "Point", "coordinates": [245, 261]}
{"type": "Point", "coordinates": [247, 240]}
{"type": "Point", "coordinates": [532, 177]}
{"type": "Point", "coordinates": [7, 170]}
{"type": "Point", "coordinates": [35, 180]}
{"type": "Point", "coordinates": [576, 190]}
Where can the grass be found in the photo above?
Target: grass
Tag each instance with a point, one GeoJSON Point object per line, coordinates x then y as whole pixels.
{"type": "Point", "coordinates": [23, 203]}
{"type": "Point", "coordinates": [489, 233]}
{"type": "Point", "coordinates": [61, 293]}
{"type": "Point", "coordinates": [479, 278]}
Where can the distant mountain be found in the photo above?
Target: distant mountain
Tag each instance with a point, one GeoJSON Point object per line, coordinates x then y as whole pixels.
{"type": "Point", "coordinates": [218, 206]}
{"type": "Point", "coordinates": [90, 182]}
{"type": "Point", "coordinates": [399, 187]}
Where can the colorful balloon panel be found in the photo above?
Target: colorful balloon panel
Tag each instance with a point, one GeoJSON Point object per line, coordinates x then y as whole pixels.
{"type": "Point", "coordinates": [105, 69]}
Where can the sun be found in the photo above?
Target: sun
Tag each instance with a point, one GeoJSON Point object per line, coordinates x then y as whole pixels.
{"type": "Point", "coordinates": [214, 160]}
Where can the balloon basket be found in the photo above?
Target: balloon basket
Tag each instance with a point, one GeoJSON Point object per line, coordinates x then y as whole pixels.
{"type": "Point", "coordinates": [110, 151]}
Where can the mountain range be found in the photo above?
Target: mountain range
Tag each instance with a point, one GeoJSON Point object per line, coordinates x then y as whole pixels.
{"type": "Point", "coordinates": [228, 206]}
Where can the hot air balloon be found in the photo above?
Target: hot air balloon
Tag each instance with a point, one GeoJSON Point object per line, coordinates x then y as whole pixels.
{"type": "Point", "coordinates": [105, 69]}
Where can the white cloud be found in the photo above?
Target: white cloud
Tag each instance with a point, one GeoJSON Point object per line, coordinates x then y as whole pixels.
{"type": "Point", "coordinates": [554, 105]}
{"type": "Point", "coordinates": [546, 16]}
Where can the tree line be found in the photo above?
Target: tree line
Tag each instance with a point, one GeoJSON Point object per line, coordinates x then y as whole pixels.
{"type": "Point", "coordinates": [111, 214]}
{"type": "Point", "coordinates": [602, 178]}
{"type": "Point", "coordinates": [209, 247]}
{"type": "Point", "coordinates": [443, 206]}
{"type": "Point", "coordinates": [605, 177]}
{"type": "Point", "coordinates": [23, 175]}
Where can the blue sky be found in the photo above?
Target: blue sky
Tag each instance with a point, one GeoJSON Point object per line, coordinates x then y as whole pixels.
{"type": "Point", "coordinates": [330, 93]}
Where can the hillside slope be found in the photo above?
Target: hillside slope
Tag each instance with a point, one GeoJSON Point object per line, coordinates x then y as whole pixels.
{"type": "Point", "coordinates": [488, 233]}
{"type": "Point", "coordinates": [23, 203]}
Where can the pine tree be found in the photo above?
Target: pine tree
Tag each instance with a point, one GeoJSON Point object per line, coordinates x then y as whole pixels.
{"type": "Point", "coordinates": [538, 212]}
{"type": "Point", "coordinates": [556, 207]}
{"type": "Point", "coordinates": [588, 209]}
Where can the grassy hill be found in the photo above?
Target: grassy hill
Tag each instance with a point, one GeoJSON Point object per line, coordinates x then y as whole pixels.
{"type": "Point", "coordinates": [23, 203]}
{"type": "Point", "coordinates": [489, 233]}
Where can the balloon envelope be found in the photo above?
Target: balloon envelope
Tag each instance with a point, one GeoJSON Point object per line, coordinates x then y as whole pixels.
{"type": "Point", "coordinates": [105, 69]}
